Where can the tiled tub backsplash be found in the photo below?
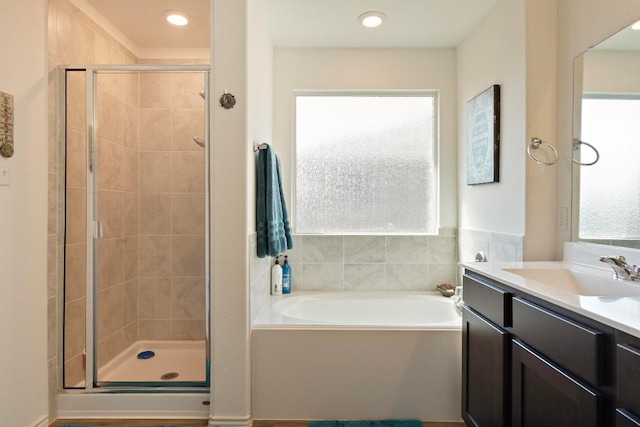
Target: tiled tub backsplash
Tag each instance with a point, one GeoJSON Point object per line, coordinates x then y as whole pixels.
{"type": "Point", "coordinates": [372, 263]}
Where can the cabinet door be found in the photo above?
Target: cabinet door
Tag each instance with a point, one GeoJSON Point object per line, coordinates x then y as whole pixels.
{"type": "Point", "coordinates": [544, 395]}
{"type": "Point", "coordinates": [626, 419]}
{"type": "Point", "coordinates": [484, 372]}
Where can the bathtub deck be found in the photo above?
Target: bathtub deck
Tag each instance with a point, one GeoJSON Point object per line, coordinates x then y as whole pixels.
{"type": "Point", "coordinates": [186, 358]}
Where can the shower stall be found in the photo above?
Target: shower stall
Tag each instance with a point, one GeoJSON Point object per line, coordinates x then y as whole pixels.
{"type": "Point", "coordinates": [135, 306]}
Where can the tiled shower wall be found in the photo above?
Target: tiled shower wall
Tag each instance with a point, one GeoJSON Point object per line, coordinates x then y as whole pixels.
{"type": "Point", "coordinates": [172, 207]}
{"type": "Point", "coordinates": [170, 288]}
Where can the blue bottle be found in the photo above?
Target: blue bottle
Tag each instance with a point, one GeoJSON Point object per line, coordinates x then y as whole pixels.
{"type": "Point", "coordinates": [286, 276]}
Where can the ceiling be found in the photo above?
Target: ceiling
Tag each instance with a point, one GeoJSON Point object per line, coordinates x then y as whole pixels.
{"type": "Point", "coordinates": [625, 39]}
{"type": "Point", "coordinates": [305, 23]}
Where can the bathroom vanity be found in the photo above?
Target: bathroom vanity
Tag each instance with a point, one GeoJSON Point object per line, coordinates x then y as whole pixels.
{"type": "Point", "coordinates": [549, 344]}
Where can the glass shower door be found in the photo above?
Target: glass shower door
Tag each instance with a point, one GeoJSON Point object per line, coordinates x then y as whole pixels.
{"type": "Point", "coordinates": [146, 227]}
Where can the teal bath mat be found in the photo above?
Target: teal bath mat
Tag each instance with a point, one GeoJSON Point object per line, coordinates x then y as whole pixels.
{"type": "Point", "coordinates": [367, 423]}
{"type": "Point", "coordinates": [126, 425]}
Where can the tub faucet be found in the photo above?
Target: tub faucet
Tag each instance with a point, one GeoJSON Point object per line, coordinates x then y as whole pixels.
{"type": "Point", "coordinates": [622, 270]}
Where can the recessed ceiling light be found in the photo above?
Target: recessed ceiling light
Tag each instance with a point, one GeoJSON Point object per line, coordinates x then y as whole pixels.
{"type": "Point", "coordinates": [176, 18]}
{"type": "Point", "coordinates": [372, 19]}
{"type": "Point", "coordinates": [636, 26]}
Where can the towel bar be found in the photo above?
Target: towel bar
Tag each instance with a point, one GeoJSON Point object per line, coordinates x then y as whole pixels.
{"type": "Point", "coordinates": [257, 147]}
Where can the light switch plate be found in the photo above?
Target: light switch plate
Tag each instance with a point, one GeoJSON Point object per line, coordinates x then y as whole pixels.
{"type": "Point", "coordinates": [5, 171]}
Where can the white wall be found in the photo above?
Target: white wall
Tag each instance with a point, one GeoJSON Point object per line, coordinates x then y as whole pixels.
{"type": "Point", "coordinates": [612, 72]}
{"type": "Point", "coordinates": [242, 65]}
{"type": "Point", "coordinates": [230, 356]}
{"type": "Point", "coordinates": [581, 23]}
{"type": "Point", "coordinates": [361, 69]}
{"type": "Point", "coordinates": [23, 215]}
{"type": "Point", "coordinates": [494, 53]}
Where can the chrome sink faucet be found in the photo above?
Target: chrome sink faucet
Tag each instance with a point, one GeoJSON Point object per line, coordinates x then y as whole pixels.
{"type": "Point", "coordinates": [622, 270]}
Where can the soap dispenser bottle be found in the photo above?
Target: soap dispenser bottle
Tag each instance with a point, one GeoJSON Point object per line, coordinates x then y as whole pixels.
{"type": "Point", "coordinates": [276, 279]}
{"type": "Point", "coordinates": [286, 276]}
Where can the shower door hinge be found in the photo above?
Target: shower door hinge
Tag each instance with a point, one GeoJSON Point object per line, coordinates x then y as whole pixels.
{"type": "Point", "coordinates": [98, 230]}
{"type": "Point", "coordinates": [90, 146]}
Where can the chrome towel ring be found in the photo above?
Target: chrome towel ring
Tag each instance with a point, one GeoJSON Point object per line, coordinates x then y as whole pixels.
{"type": "Point", "coordinates": [535, 144]}
{"type": "Point", "coordinates": [576, 146]}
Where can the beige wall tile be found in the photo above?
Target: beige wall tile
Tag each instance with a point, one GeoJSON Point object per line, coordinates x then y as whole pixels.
{"type": "Point", "coordinates": [109, 348]}
{"type": "Point", "coordinates": [155, 214]}
{"type": "Point", "coordinates": [75, 40]}
{"type": "Point", "coordinates": [154, 256]}
{"type": "Point", "coordinates": [130, 334]}
{"type": "Point", "coordinates": [76, 159]}
{"type": "Point", "coordinates": [110, 262]}
{"type": "Point", "coordinates": [185, 125]}
{"type": "Point", "coordinates": [155, 90]}
{"type": "Point", "coordinates": [52, 18]}
{"type": "Point", "coordinates": [155, 298]}
{"type": "Point", "coordinates": [76, 106]}
{"type": "Point", "coordinates": [131, 85]}
{"type": "Point", "coordinates": [188, 329]}
{"type": "Point", "coordinates": [75, 271]}
{"type": "Point", "coordinates": [110, 117]}
{"type": "Point", "coordinates": [155, 130]}
{"type": "Point", "coordinates": [110, 315]}
{"type": "Point", "coordinates": [107, 51]}
{"type": "Point", "coordinates": [52, 327]}
{"type": "Point", "coordinates": [188, 214]}
{"type": "Point", "coordinates": [130, 257]}
{"type": "Point", "coordinates": [74, 372]}
{"type": "Point", "coordinates": [131, 126]}
{"type": "Point", "coordinates": [52, 367]}
{"type": "Point", "coordinates": [154, 330]}
{"type": "Point", "coordinates": [52, 152]}
{"type": "Point", "coordinates": [74, 322]}
{"type": "Point", "coordinates": [130, 170]}
{"type": "Point", "coordinates": [188, 298]}
{"type": "Point", "coordinates": [131, 214]}
{"type": "Point", "coordinates": [155, 172]}
{"type": "Point", "coordinates": [52, 203]}
{"type": "Point", "coordinates": [52, 265]}
{"type": "Point", "coordinates": [76, 215]}
{"type": "Point", "coordinates": [130, 301]}
{"type": "Point", "coordinates": [110, 165]}
{"type": "Point", "coordinates": [187, 170]}
{"type": "Point", "coordinates": [188, 256]}
{"type": "Point", "coordinates": [185, 89]}
{"type": "Point", "coordinates": [111, 213]}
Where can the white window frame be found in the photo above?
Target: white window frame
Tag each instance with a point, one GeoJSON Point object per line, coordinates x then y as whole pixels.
{"type": "Point", "coordinates": [390, 93]}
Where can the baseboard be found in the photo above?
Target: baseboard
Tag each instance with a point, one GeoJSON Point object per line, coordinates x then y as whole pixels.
{"type": "Point", "coordinates": [44, 422]}
{"type": "Point", "coordinates": [215, 421]}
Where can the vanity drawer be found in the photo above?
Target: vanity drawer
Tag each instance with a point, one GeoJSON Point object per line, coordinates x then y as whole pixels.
{"type": "Point", "coordinates": [575, 347]}
{"type": "Point", "coordinates": [628, 377]}
{"type": "Point", "coordinates": [491, 301]}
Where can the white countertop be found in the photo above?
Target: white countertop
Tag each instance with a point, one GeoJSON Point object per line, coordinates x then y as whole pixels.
{"type": "Point", "coordinates": [619, 312]}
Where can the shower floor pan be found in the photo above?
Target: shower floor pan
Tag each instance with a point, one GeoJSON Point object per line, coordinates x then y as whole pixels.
{"type": "Point", "coordinates": [174, 361]}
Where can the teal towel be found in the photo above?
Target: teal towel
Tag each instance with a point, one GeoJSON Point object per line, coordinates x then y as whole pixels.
{"type": "Point", "coordinates": [272, 221]}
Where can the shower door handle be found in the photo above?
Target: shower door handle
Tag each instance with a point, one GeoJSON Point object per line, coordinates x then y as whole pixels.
{"type": "Point", "coordinates": [98, 230]}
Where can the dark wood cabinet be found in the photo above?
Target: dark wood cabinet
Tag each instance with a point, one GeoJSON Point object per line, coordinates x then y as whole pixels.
{"type": "Point", "coordinates": [485, 380]}
{"type": "Point", "coordinates": [545, 395]}
{"type": "Point", "coordinates": [531, 363]}
{"type": "Point", "coordinates": [625, 419]}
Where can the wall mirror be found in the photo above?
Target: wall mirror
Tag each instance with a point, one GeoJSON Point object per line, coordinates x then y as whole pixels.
{"type": "Point", "coordinates": [606, 142]}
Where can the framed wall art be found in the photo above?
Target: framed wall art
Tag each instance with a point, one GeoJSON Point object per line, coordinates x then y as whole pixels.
{"type": "Point", "coordinates": [483, 137]}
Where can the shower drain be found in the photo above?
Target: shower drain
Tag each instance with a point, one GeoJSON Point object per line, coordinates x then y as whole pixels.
{"type": "Point", "coordinates": [169, 376]}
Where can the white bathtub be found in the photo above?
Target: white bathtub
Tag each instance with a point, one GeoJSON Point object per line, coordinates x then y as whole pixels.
{"type": "Point", "coordinates": [357, 355]}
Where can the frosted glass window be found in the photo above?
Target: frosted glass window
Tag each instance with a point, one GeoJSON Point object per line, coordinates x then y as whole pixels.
{"type": "Point", "coordinates": [609, 192]}
{"type": "Point", "coordinates": [365, 164]}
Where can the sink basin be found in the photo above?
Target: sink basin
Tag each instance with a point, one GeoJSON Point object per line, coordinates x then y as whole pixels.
{"type": "Point", "coordinates": [578, 282]}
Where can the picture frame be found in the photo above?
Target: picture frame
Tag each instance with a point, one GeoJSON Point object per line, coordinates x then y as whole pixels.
{"type": "Point", "coordinates": [483, 137]}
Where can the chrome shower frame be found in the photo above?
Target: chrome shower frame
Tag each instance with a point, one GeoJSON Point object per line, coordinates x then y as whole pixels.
{"type": "Point", "coordinates": [92, 385]}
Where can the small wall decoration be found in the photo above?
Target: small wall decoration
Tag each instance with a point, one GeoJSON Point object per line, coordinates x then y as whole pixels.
{"type": "Point", "coordinates": [483, 137]}
{"type": "Point", "coordinates": [6, 125]}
